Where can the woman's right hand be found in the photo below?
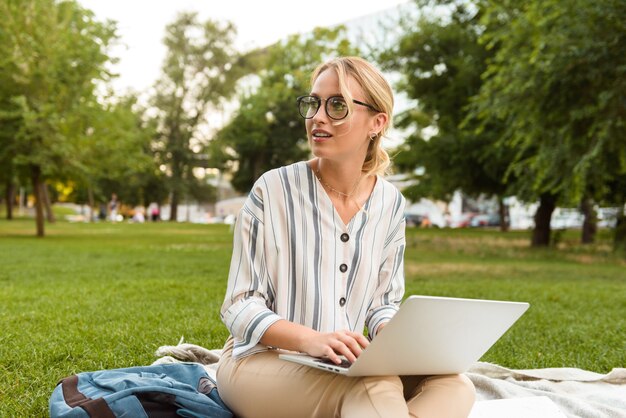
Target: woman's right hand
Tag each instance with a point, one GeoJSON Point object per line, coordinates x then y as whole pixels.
{"type": "Point", "coordinates": [333, 344]}
{"type": "Point", "coordinates": [295, 337]}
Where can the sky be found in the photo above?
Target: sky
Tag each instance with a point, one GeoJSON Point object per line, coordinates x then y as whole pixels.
{"type": "Point", "coordinates": [141, 25]}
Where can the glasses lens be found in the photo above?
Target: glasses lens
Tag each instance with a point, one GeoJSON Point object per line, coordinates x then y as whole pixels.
{"type": "Point", "coordinates": [336, 107]}
{"type": "Point", "coordinates": [308, 105]}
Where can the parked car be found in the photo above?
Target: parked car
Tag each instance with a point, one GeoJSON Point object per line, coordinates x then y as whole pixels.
{"type": "Point", "coordinates": [607, 217]}
{"type": "Point", "coordinates": [464, 221]}
{"type": "Point", "coordinates": [420, 221]}
{"type": "Point", "coordinates": [413, 219]}
{"type": "Point", "coordinates": [566, 219]}
{"type": "Point", "coordinates": [485, 220]}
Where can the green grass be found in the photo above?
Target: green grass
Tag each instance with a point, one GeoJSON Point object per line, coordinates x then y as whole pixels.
{"type": "Point", "coordinates": [91, 297]}
{"type": "Point", "coordinates": [577, 294]}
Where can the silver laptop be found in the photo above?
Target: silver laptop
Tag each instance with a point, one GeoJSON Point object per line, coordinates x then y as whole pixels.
{"type": "Point", "coordinates": [428, 336]}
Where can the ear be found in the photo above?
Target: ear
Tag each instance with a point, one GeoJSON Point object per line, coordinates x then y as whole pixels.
{"type": "Point", "coordinates": [378, 122]}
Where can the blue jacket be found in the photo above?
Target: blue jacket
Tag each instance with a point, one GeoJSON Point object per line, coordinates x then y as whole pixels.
{"type": "Point", "coordinates": [166, 390]}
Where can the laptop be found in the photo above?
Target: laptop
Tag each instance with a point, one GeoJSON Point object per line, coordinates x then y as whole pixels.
{"type": "Point", "coordinates": [428, 336]}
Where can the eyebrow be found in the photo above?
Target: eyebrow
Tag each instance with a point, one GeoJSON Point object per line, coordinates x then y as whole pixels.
{"type": "Point", "coordinates": [331, 95]}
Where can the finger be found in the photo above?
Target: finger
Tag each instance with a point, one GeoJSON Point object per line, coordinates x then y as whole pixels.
{"type": "Point", "coordinates": [342, 349]}
{"type": "Point", "coordinates": [332, 355]}
{"type": "Point", "coordinates": [360, 339]}
{"type": "Point", "coordinates": [352, 349]}
{"type": "Point", "coordinates": [363, 342]}
{"type": "Point", "coordinates": [353, 345]}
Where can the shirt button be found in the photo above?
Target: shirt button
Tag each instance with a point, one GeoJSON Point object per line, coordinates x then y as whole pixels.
{"type": "Point", "coordinates": [343, 268]}
{"type": "Point", "coordinates": [342, 301]}
{"type": "Point", "coordinates": [345, 237]}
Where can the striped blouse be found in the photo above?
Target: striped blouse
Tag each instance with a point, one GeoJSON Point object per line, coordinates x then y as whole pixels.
{"type": "Point", "coordinates": [295, 259]}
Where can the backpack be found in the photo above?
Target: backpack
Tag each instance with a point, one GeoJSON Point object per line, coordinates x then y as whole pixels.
{"type": "Point", "coordinates": [158, 391]}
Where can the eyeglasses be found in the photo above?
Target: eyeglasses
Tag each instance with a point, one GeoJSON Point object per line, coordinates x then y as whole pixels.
{"type": "Point", "coordinates": [336, 106]}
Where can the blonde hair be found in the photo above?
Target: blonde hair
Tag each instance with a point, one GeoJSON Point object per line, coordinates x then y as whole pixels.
{"type": "Point", "coordinates": [377, 93]}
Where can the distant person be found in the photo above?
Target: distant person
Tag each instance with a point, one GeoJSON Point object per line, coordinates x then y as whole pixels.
{"type": "Point", "coordinates": [113, 208]}
{"type": "Point", "coordinates": [138, 215]}
{"type": "Point", "coordinates": [102, 212]}
{"type": "Point", "coordinates": [154, 212]}
{"type": "Point", "coordinates": [318, 256]}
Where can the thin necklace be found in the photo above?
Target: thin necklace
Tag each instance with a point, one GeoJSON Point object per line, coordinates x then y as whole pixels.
{"type": "Point", "coordinates": [347, 195]}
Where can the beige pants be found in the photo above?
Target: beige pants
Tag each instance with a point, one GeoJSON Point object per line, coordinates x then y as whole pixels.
{"type": "Point", "coordinates": [262, 385]}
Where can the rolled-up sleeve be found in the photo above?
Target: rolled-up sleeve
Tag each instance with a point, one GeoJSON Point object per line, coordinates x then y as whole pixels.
{"type": "Point", "coordinates": [246, 310]}
{"type": "Point", "coordinates": [390, 290]}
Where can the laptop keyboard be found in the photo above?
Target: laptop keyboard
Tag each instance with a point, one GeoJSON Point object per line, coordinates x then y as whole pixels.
{"type": "Point", "coordinates": [344, 363]}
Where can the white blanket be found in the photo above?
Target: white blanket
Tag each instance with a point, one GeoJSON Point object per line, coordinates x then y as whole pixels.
{"type": "Point", "coordinates": [501, 392]}
{"type": "Point", "coordinates": [573, 392]}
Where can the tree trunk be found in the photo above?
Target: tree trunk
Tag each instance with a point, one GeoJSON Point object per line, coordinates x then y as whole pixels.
{"type": "Point", "coordinates": [590, 223]}
{"type": "Point", "coordinates": [188, 209]}
{"type": "Point", "coordinates": [257, 167]}
{"type": "Point", "coordinates": [174, 206]}
{"type": "Point", "coordinates": [22, 201]}
{"type": "Point", "coordinates": [36, 179]}
{"type": "Point", "coordinates": [541, 233]}
{"type": "Point", "coordinates": [46, 201]}
{"type": "Point", "coordinates": [219, 186]}
{"type": "Point", "coordinates": [10, 198]}
{"type": "Point", "coordinates": [92, 204]}
{"type": "Point", "coordinates": [505, 222]}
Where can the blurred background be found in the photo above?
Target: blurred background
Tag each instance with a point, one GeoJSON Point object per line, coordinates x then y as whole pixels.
{"type": "Point", "coordinates": [508, 115]}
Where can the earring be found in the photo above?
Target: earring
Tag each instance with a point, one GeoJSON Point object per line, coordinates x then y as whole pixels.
{"type": "Point", "coordinates": [373, 136]}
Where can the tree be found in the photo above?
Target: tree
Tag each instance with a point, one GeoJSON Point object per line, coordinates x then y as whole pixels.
{"type": "Point", "coordinates": [115, 154]}
{"type": "Point", "coordinates": [267, 131]}
{"type": "Point", "coordinates": [441, 62]}
{"type": "Point", "coordinates": [51, 55]}
{"type": "Point", "coordinates": [200, 71]}
{"type": "Point", "coordinates": [9, 117]}
{"type": "Point", "coordinates": [7, 172]}
{"type": "Point", "coordinates": [557, 81]}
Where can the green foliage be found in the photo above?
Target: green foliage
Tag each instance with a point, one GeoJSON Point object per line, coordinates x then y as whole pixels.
{"type": "Point", "coordinates": [527, 99]}
{"type": "Point", "coordinates": [102, 296]}
{"type": "Point", "coordinates": [558, 82]}
{"type": "Point", "coordinates": [200, 71]}
{"type": "Point", "coordinates": [442, 62]}
{"type": "Point", "coordinates": [51, 54]}
{"type": "Point", "coordinates": [267, 132]}
{"type": "Point", "coordinates": [202, 192]}
{"type": "Point", "coordinates": [115, 155]}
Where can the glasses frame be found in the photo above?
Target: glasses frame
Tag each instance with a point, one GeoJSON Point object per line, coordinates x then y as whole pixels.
{"type": "Point", "coordinates": [319, 105]}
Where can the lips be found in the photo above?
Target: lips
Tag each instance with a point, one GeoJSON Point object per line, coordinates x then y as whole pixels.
{"type": "Point", "coordinates": [320, 135]}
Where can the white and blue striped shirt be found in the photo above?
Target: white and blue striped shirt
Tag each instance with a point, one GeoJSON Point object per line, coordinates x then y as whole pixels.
{"type": "Point", "coordinates": [295, 259]}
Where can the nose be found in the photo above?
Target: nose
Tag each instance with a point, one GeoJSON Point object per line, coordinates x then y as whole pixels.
{"type": "Point", "coordinates": [320, 116]}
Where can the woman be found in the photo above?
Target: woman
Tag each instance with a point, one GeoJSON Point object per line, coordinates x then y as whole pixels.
{"type": "Point", "coordinates": [318, 258]}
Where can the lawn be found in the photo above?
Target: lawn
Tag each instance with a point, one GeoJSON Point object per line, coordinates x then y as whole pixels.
{"type": "Point", "coordinates": [90, 297]}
